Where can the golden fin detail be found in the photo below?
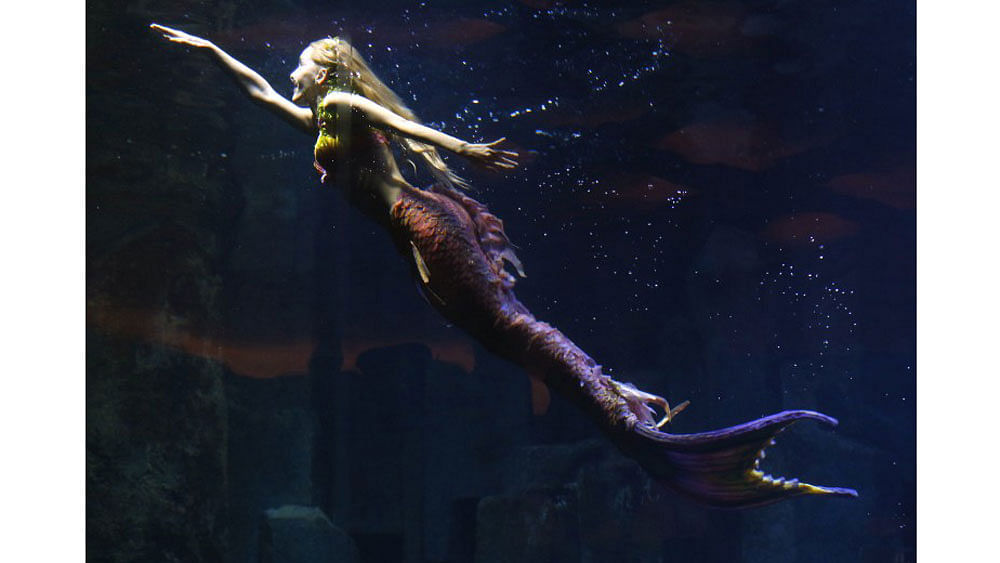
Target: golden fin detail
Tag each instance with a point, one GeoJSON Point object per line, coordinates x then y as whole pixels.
{"type": "Point", "coordinates": [425, 274]}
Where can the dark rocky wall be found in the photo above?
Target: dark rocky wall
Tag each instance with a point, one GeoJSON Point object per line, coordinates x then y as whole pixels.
{"type": "Point", "coordinates": [156, 455]}
{"type": "Point", "coordinates": [157, 225]}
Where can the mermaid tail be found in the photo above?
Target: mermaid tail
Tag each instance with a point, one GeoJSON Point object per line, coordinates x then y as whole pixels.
{"type": "Point", "coordinates": [459, 251]}
{"type": "Point", "coordinates": [722, 467]}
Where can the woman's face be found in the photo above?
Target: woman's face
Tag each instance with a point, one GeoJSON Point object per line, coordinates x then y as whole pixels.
{"type": "Point", "coordinates": [306, 78]}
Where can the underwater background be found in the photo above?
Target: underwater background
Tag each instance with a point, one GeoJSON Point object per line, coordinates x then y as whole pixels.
{"type": "Point", "coordinates": [717, 202]}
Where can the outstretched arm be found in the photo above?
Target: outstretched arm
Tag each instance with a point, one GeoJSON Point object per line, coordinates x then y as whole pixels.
{"type": "Point", "coordinates": [484, 154]}
{"type": "Point", "coordinates": [252, 83]}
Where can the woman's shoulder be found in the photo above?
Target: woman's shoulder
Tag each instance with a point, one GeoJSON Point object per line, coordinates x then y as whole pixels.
{"type": "Point", "coordinates": [335, 98]}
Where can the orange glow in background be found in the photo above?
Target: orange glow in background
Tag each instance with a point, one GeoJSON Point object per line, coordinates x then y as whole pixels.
{"type": "Point", "coordinates": [267, 359]}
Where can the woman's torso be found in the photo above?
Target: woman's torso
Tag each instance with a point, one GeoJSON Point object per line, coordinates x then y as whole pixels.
{"type": "Point", "coordinates": [455, 237]}
{"type": "Point", "coordinates": [352, 154]}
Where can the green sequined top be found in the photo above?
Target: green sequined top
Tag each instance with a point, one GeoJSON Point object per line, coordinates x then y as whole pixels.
{"type": "Point", "coordinates": [325, 150]}
{"type": "Point", "coordinates": [345, 142]}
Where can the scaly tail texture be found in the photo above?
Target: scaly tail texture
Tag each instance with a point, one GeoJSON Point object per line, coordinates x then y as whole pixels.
{"type": "Point", "coordinates": [721, 468]}
{"type": "Point", "coordinates": [458, 252]}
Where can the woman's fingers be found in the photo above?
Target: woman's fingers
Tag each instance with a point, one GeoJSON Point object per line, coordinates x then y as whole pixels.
{"type": "Point", "coordinates": [178, 36]}
{"type": "Point", "coordinates": [501, 164]}
{"type": "Point", "coordinates": [505, 162]}
{"type": "Point", "coordinates": [496, 163]}
{"type": "Point", "coordinates": [166, 31]}
{"type": "Point", "coordinates": [492, 158]}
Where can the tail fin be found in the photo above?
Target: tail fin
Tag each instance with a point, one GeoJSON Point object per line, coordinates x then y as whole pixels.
{"type": "Point", "coordinates": [722, 467]}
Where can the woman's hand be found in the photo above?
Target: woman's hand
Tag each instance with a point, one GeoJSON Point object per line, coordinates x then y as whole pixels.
{"type": "Point", "coordinates": [178, 36]}
{"type": "Point", "coordinates": [490, 157]}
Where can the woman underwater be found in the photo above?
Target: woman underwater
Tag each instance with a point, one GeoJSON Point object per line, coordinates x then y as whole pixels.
{"type": "Point", "coordinates": [459, 253]}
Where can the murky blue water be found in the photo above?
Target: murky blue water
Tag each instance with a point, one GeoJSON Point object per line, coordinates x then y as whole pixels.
{"type": "Point", "coordinates": [717, 202]}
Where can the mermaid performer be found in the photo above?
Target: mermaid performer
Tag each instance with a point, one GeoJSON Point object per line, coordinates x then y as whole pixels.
{"type": "Point", "coordinates": [460, 257]}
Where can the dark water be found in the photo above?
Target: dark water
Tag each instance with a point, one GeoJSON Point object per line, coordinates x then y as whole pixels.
{"type": "Point", "coordinates": [717, 203]}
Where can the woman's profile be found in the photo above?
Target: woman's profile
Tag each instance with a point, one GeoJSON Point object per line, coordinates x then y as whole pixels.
{"type": "Point", "coordinates": [460, 256]}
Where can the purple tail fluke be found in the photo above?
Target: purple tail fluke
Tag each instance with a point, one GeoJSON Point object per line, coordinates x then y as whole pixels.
{"type": "Point", "coordinates": [722, 467]}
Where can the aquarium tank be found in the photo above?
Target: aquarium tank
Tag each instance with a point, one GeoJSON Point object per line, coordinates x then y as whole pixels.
{"type": "Point", "coordinates": [716, 200]}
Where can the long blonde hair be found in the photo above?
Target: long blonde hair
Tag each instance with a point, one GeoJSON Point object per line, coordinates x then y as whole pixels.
{"type": "Point", "coordinates": [351, 73]}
